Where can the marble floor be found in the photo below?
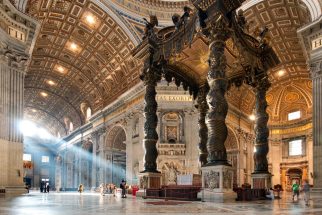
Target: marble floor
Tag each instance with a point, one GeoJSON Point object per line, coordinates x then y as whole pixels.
{"type": "Point", "coordinates": [71, 203]}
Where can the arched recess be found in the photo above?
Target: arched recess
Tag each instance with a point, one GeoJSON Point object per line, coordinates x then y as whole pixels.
{"type": "Point", "coordinates": [313, 6]}
{"type": "Point", "coordinates": [86, 163]}
{"type": "Point", "coordinates": [115, 154]}
{"type": "Point", "coordinates": [69, 170]}
{"type": "Point", "coordinates": [232, 148]}
{"type": "Point", "coordinates": [171, 128]}
{"type": "Point", "coordinates": [293, 175]}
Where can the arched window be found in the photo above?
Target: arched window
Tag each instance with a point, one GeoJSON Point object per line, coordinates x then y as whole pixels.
{"type": "Point", "coordinates": [88, 112]}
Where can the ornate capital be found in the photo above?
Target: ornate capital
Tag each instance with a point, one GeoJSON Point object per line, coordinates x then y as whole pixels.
{"type": "Point", "coordinates": [13, 58]}
{"type": "Point", "coordinates": [316, 70]}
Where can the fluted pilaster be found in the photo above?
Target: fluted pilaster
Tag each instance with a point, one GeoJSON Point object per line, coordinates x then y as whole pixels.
{"type": "Point", "coordinates": [316, 74]}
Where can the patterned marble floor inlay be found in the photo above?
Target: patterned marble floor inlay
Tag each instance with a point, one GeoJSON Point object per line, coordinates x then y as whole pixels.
{"type": "Point", "coordinates": [72, 203]}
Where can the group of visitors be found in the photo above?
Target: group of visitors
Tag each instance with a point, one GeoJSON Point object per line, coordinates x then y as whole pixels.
{"type": "Point", "coordinates": [107, 189]}
{"type": "Point", "coordinates": [44, 187]}
{"type": "Point", "coordinates": [296, 188]}
{"type": "Point", "coordinates": [305, 189]}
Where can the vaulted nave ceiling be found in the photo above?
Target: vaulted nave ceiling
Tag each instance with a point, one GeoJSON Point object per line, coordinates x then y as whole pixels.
{"type": "Point", "coordinates": [82, 56]}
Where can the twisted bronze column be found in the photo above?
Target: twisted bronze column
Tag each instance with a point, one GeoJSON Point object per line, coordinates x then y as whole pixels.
{"type": "Point", "coordinates": [150, 78]}
{"type": "Point", "coordinates": [218, 107]}
{"type": "Point", "coordinates": [261, 129]}
{"type": "Point", "coordinates": [203, 130]}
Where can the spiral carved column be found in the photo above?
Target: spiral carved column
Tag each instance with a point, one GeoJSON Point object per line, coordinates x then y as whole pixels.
{"type": "Point", "coordinates": [261, 129]}
{"type": "Point", "coordinates": [203, 130]}
{"type": "Point", "coordinates": [151, 77]}
{"type": "Point", "coordinates": [218, 107]}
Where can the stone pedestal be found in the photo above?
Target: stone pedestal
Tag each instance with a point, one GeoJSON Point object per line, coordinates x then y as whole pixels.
{"type": "Point", "coordinates": [217, 184]}
{"type": "Point", "coordinates": [261, 180]}
{"type": "Point", "coordinates": [148, 180]}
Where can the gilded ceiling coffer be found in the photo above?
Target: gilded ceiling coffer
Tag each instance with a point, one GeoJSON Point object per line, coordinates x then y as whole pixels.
{"type": "Point", "coordinates": [203, 129]}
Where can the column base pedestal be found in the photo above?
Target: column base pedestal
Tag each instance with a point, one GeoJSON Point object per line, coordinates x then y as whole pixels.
{"type": "Point", "coordinates": [217, 184]}
{"type": "Point", "coordinates": [15, 190]}
{"type": "Point", "coordinates": [149, 180]}
{"type": "Point", "coordinates": [261, 180]}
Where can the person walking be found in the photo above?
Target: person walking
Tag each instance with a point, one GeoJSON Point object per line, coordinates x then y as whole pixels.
{"type": "Point", "coordinates": [306, 190]}
{"type": "Point", "coordinates": [123, 187]}
{"type": "Point", "coordinates": [47, 187]}
{"type": "Point", "coordinates": [296, 190]}
{"type": "Point", "coordinates": [80, 188]}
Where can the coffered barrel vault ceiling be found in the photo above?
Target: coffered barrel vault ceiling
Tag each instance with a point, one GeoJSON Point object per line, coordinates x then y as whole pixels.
{"type": "Point", "coordinates": [83, 55]}
{"type": "Point", "coordinates": [291, 85]}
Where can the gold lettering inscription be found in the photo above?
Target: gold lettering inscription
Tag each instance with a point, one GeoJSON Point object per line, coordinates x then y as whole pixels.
{"type": "Point", "coordinates": [178, 98]}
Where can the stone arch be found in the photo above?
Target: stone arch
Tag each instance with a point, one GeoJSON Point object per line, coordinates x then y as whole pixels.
{"type": "Point", "coordinates": [293, 174]}
{"type": "Point", "coordinates": [114, 138]}
{"type": "Point", "coordinates": [69, 169]}
{"type": "Point", "coordinates": [231, 143]}
{"type": "Point", "coordinates": [232, 148]}
{"type": "Point", "coordinates": [115, 154]}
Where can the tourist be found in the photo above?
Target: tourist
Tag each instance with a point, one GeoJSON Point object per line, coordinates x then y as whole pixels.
{"type": "Point", "coordinates": [296, 190]}
{"type": "Point", "coordinates": [80, 188]}
{"type": "Point", "coordinates": [47, 187]}
{"type": "Point", "coordinates": [41, 187]}
{"type": "Point", "coordinates": [102, 189]}
{"type": "Point", "coordinates": [123, 187]}
{"type": "Point", "coordinates": [306, 190]}
{"type": "Point", "coordinates": [270, 194]}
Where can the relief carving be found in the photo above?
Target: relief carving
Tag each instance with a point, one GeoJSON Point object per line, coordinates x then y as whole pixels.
{"type": "Point", "coordinates": [212, 179]}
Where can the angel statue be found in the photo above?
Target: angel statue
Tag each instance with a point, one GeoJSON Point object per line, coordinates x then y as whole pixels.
{"type": "Point", "coordinates": [149, 26]}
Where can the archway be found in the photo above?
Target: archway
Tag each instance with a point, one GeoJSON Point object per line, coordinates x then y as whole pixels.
{"type": "Point", "coordinates": [293, 175]}
{"type": "Point", "coordinates": [233, 155]}
{"type": "Point", "coordinates": [115, 155]}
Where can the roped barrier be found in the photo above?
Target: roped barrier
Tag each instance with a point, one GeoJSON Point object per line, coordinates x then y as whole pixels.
{"type": "Point", "coordinates": [185, 193]}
